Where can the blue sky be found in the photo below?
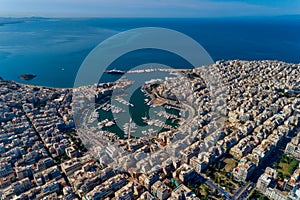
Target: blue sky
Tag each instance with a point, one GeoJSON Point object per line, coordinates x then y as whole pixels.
{"type": "Point", "coordinates": [148, 8]}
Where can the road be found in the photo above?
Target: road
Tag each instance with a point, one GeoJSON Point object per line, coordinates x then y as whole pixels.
{"type": "Point", "coordinates": [214, 186]}
{"type": "Point", "coordinates": [244, 191]}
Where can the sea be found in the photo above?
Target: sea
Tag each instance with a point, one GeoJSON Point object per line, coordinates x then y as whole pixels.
{"type": "Point", "coordinates": [54, 49]}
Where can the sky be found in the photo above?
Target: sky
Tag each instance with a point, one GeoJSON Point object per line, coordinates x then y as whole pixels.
{"type": "Point", "coordinates": [148, 8]}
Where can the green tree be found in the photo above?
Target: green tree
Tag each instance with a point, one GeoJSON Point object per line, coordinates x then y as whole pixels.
{"type": "Point", "coordinates": [231, 177]}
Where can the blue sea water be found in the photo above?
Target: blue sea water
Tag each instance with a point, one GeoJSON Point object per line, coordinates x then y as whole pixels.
{"type": "Point", "coordinates": [53, 49]}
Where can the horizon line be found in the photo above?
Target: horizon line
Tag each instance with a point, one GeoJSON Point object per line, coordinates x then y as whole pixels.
{"type": "Point", "coordinates": [148, 17]}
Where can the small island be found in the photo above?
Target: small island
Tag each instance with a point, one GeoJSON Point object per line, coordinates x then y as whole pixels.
{"type": "Point", "coordinates": [27, 77]}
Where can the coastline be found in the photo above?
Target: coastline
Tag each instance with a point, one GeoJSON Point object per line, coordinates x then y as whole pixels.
{"type": "Point", "coordinates": [135, 71]}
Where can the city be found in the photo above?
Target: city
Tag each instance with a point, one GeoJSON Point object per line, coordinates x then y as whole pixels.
{"type": "Point", "coordinates": [236, 137]}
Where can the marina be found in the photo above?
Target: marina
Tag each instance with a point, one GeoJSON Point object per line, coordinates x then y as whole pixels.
{"type": "Point", "coordinates": [114, 109]}
{"type": "Point", "coordinates": [123, 101]}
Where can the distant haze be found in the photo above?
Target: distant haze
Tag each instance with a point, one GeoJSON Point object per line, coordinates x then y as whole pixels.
{"type": "Point", "coordinates": [147, 8]}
